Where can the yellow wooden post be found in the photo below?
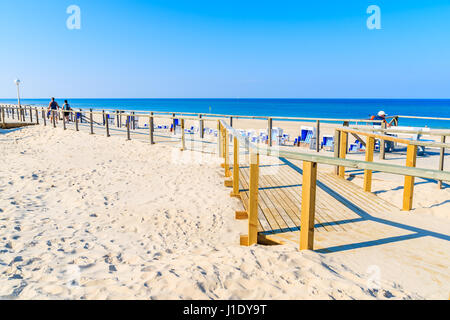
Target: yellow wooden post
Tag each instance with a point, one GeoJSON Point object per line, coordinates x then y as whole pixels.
{"type": "Point", "coordinates": [235, 192]}
{"type": "Point", "coordinates": [252, 237]}
{"type": "Point", "coordinates": [337, 135]}
{"type": "Point", "coordinates": [342, 151]}
{"type": "Point", "coordinates": [219, 138]}
{"type": "Point", "coordinates": [408, 191]}
{"type": "Point", "coordinates": [226, 154]}
{"type": "Point", "coordinates": [183, 138]}
{"type": "Point", "coordinates": [370, 145]}
{"type": "Point", "coordinates": [308, 205]}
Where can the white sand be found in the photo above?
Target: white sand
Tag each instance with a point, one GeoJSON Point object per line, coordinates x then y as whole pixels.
{"type": "Point", "coordinates": [90, 217]}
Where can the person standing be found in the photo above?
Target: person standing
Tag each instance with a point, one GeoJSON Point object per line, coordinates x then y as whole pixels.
{"type": "Point", "coordinates": [53, 109]}
{"type": "Point", "coordinates": [66, 109]}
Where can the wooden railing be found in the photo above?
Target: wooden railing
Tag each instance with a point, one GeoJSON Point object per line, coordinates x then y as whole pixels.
{"type": "Point", "coordinates": [310, 163]}
{"type": "Point", "coordinates": [411, 155]}
{"type": "Point", "coordinates": [208, 116]}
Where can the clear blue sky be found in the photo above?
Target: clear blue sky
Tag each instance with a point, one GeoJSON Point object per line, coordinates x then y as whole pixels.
{"type": "Point", "coordinates": [229, 49]}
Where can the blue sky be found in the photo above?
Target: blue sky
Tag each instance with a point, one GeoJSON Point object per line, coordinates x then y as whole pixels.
{"type": "Point", "coordinates": [229, 49]}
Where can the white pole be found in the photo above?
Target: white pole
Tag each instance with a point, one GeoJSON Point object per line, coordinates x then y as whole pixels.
{"type": "Point", "coordinates": [18, 94]}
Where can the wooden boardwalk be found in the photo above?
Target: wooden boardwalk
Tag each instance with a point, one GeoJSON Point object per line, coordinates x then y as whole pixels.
{"type": "Point", "coordinates": [339, 202]}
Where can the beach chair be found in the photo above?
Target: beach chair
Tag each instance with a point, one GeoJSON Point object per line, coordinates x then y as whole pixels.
{"type": "Point", "coordinates": [306, 133]}
{"type": "Point", "coordinates": [110, 118]}
{"type": "Point", "coordinates": [328, 142]}
{"type": "Point", "coordinates": [353, 148]}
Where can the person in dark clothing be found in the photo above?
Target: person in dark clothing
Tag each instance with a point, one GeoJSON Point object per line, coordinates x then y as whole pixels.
{"type": "Point", "coordinates": [53, 108]}
{"type": "Point", "coordinates": [380, 116]}
{"type": "Point", "coordinates": [66, 108]}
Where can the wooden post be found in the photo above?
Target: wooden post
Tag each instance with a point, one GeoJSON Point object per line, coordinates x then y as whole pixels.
{"type": "Point", "coordinates": [173, 123]}
{"type": "Point", "coordinates": [128, 128]}
{"type": "Point", "coordinates": [44, 117]}
{"type": "Point", "coordinates": [92, 121]}
{"type": "Point", "coordinates": [18, 115]}
{"type": "Point", "coordinates": [12, 112]}
{"type": "Point", "coordinates": [226, 154]}
{"type": "Point", "coordinates": [317, 135]}
{"type": "Point", "coordinates": [342, 151]}
{"type": "Point", "coordinates": [117, 118]}
{"type": "Point", "coordinates": [308, 205]}
{"type": "Point", "coordinates": [76, 121]}
{"type": "Point", "coordinates": [370, 145]}
{"type": "Point", "coordinates": [202, 126]}
{"type": "Point", "coordinates": [252, 237]}
{"type": "Point", "coordinates": [103, 114]}
{"type": "Point", "coordinates": [235, 192]}
{"type": "Point", "coordinates": [64, 121]}
{"type": "Point", "coordinates": [120, 119]}
{"type": "Point", "coordinates": [54, 118]}
{"type": "Point", "coordinates": [132, 119]}
{"type": "Point", "coordinates": [336, 145]}
{"type": "Point", "coordinates": [269, 129]}
{"type": "Point", "coordinates": [408, 191]}
{"type": "Point", "coordinates": [106, 117]}
{"type": "Point", "coordinates": [37, 115]}
{"type": "Point", "coordinates": [31, 115]}
{"type": "Point", "coordinates": [183, 139]}
{"type": "Point", "coordinates": [231, 121]}
{"type": "Point", "coordinates": [219, 138]}
{"type": "Point", "coordinates": [382, 146]}
{"type": "Point", "coordinates": [151, 128]}
{"type": "Point", "coordinates": [3, 115]}
{"type": "Point", "coordinates": [441, 161]}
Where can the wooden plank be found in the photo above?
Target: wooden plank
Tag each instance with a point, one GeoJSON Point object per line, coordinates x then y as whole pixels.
{"type": "Point", "coordinates": [308, 205]}
{"type": "Point", "coordinates": [352, 191]}
{"type": "Point", "coordinates": [369, 157]}
{"type": "Point", "coordinates": [294, 194]}
{"type": "Point", "coordinates": [265, 218]}
{"type": "Point", "coordinates": [273, 204]}
{"type": "Point", "coordinates": [355, 197]}
{"type": "Point", "coordinates": [273, 218]}
{"type": "Point", "coordinates": [408, 191]}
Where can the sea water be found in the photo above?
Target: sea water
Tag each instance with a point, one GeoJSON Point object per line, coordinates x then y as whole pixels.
{"type": "Point", "coordinates": [308, 108]}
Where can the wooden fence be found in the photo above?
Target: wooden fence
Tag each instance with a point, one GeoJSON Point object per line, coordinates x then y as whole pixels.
{"type": "Point", "coordinates": [310, 163]}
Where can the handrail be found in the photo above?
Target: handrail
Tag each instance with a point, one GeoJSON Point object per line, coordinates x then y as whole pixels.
{"type": "Point", "coordinates": [394, 130]}
{"type": "Point", "coordinates": [395, 139]}
{"type": "Point", "coordinates": [423, 117]}
{"type": "Point", "coordinates": [358, 164]}
{"type": "Point", "coordinates": [230, 115]}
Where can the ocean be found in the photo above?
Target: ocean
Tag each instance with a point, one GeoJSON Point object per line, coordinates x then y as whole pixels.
{"type": "Point", "coordinates": [310, 108]}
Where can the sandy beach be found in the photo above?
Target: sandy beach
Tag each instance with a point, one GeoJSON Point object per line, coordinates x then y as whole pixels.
{"type": "Point", "coordinates": [88, 217]}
